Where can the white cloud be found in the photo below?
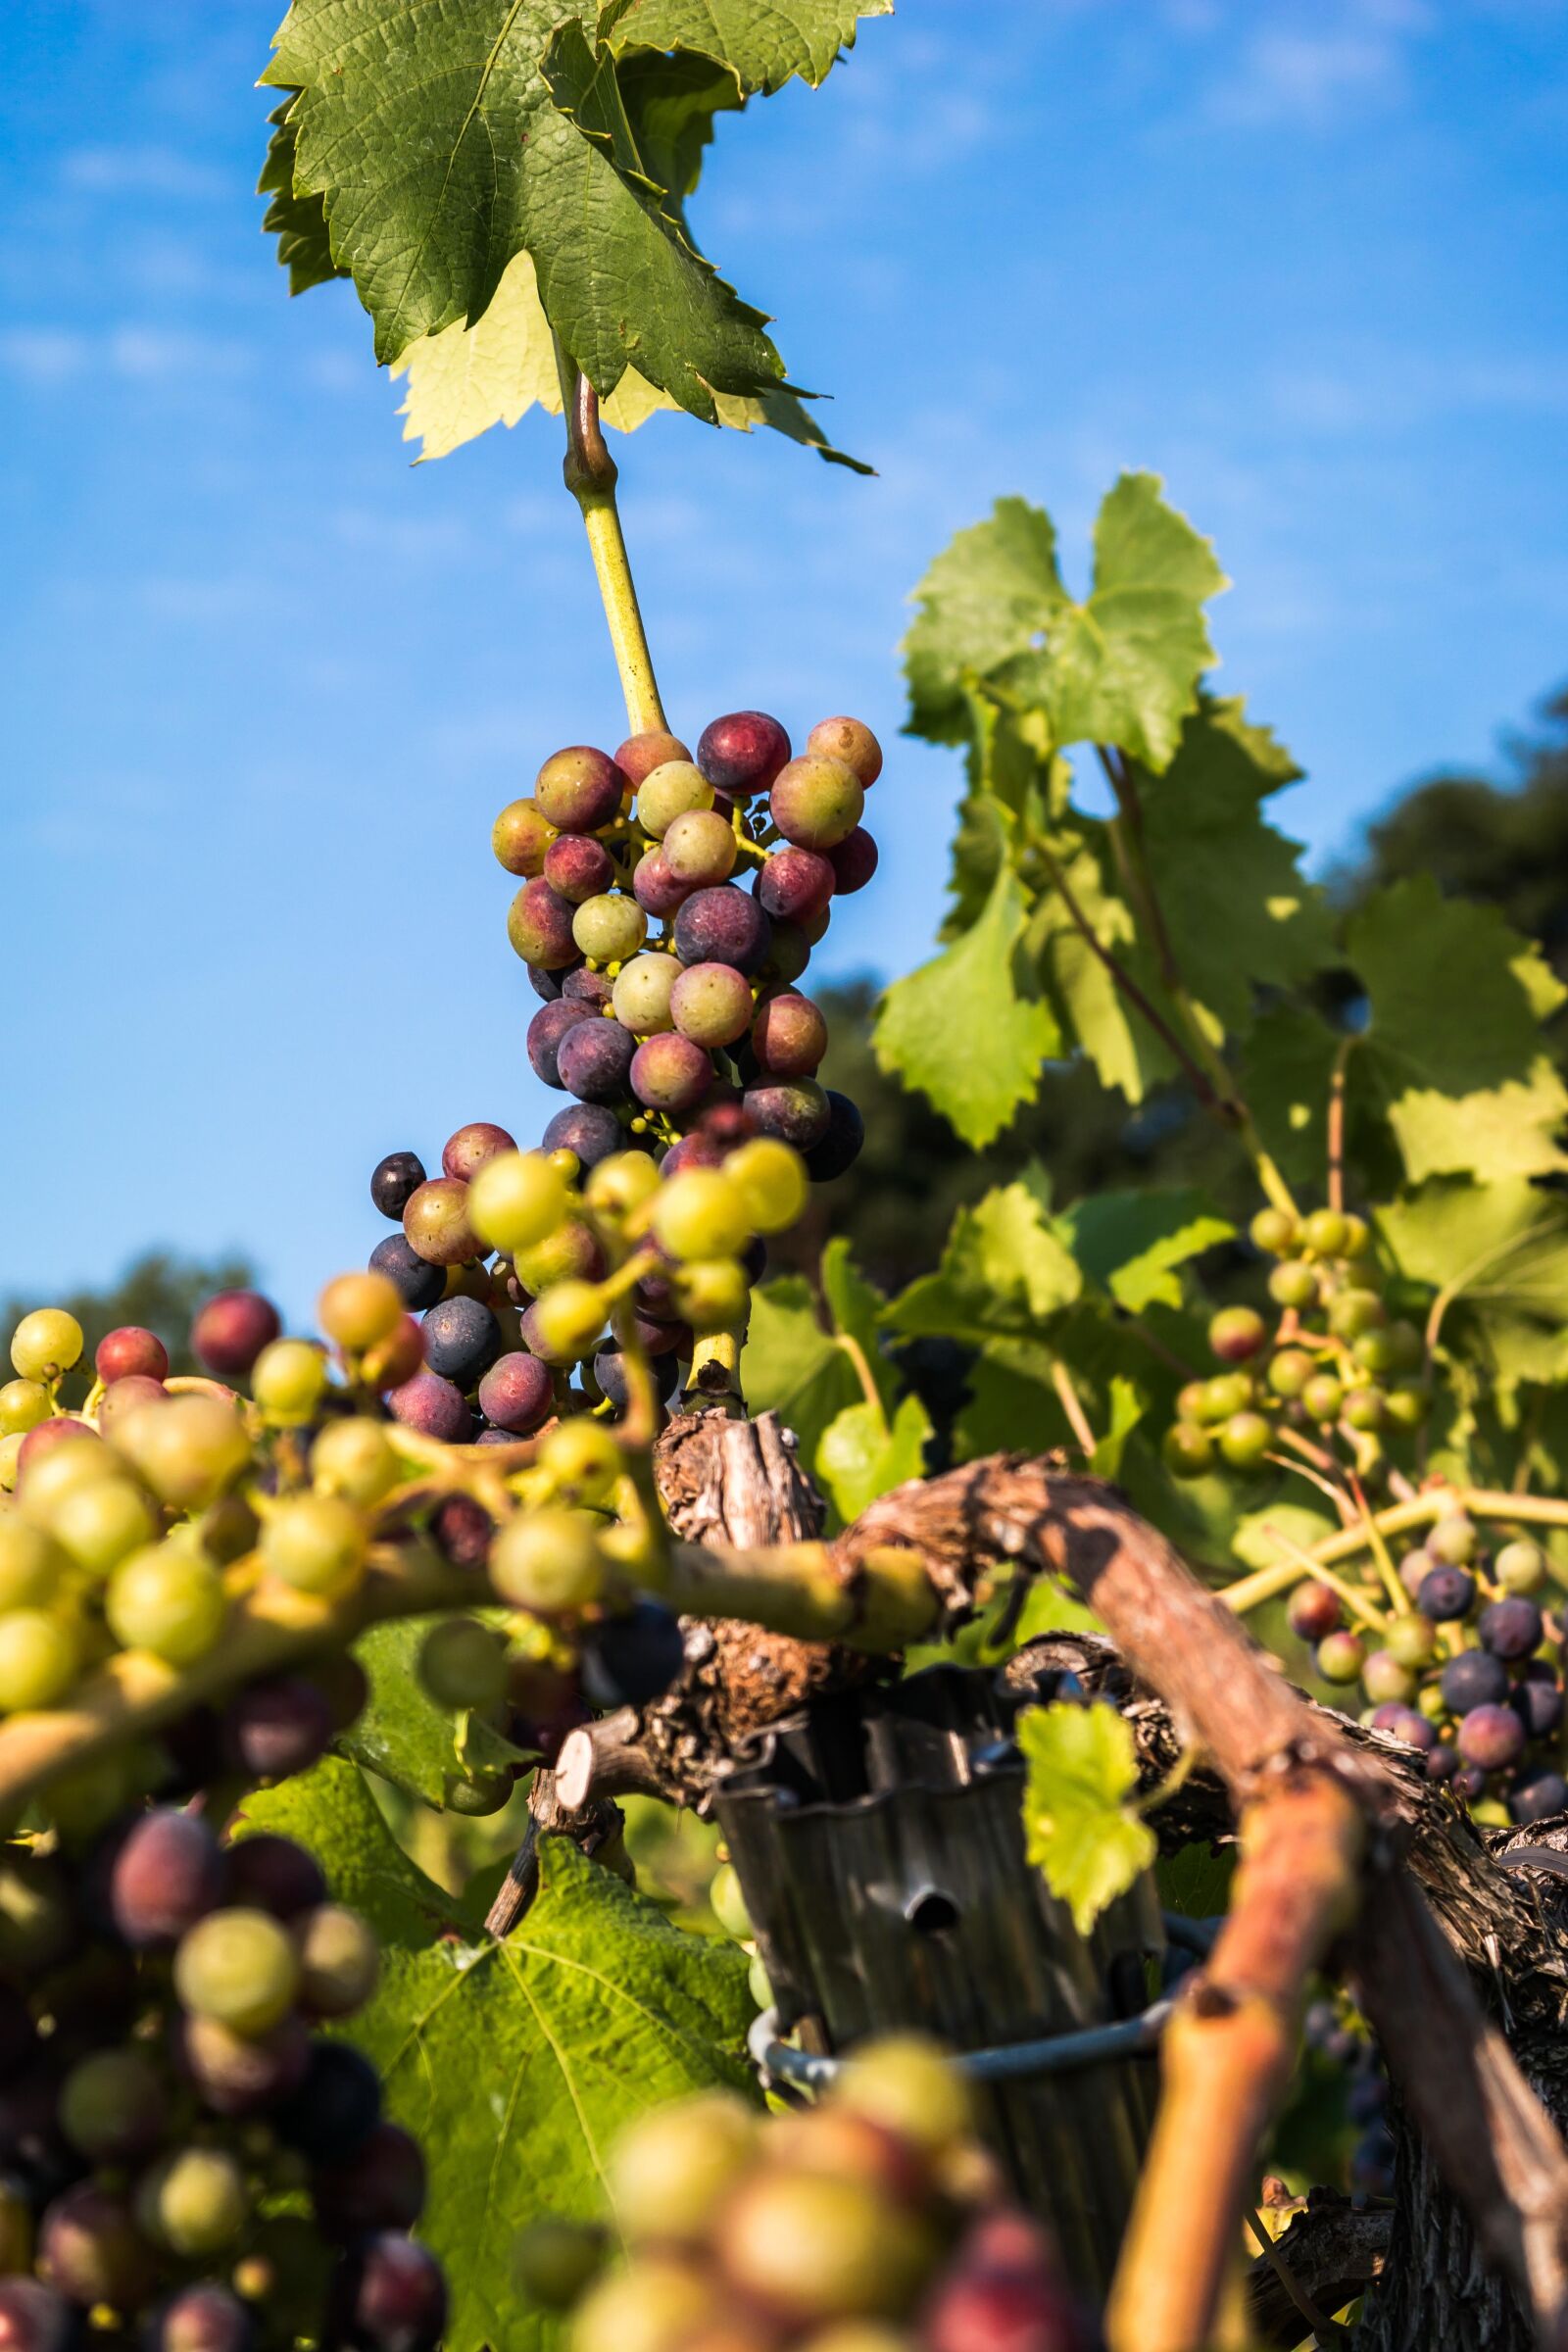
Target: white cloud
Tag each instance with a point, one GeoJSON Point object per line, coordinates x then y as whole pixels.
{"type": "Point", "coordinates": [135, 352]}
{"type": "Point", "coordinates": [42, 354]}
{"type": "Point", "coordinates": [1314, 67]}
{"type": "Point", "coordinates": [150, 171]}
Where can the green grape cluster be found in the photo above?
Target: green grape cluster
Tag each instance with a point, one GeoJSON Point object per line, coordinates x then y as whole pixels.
{"type": "Point", "coordinates": [1331, 1371]}
{"type": "Point", "coordinates": [870, 2223]}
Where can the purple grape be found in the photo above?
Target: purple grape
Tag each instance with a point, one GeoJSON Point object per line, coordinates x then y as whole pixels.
{"type": "Point", "coordinates": [278, 1728]}
{"type": "Point", "coordinates": [167, 1874]}
{"type": "Point", "coordinates": [1443, 1762]}
{"type": "Point", "coordinates": [594, 1060]}
{"type": "Point", "coordinates": [796, 1111]}
{"type": "Point", "coordinates": [204, 2318]}
{"type": "Point", "coordinates": [336, 2107]}
{"type": "Point", "coordinates": [839, 1147]}
{"type": "Point", "coordinates": [594, 989]}
{"type": "Point", "coordinates": [634, 1658]}
{"type": "Point", "coordinates": [1538, 1701]}
{"type": "Point", "coordinates": [461, 1339]}
{"type": "Point", "coordinates": [1491, 1737]}
{"type": "Point", "coordinates": [394, 2294]}
{"type": "Point", "coordinates": [547, 1032]}
{"type": "Point", "coordinates": [433, 1406]}
{"type": "Point", "coordinates": [1510, 1627]}
{"type": "Point", "coordinates": [1474, 1679]}
{"type": "Point", "coordinates": [580, 789]}
{"type": "Point", "coordinates": [1543, 1793]}
{"type": "Point", "coordinates": [789, 1036]}
{"type": "Point", "coordinates": [793, 885]}
{"type": "Point", "coordinates": [92, 2251]}
{"type": "Point", "coordinates": [853, 860]}
{"type": "Point", "coordinates": [1447, 1595]}
{"type": "Point", "coordinates": [722, 925]}
{"type": "Point", "coordinates": [587, 1129]}
{"type": "Point", "coordinates": [461, 1530]}
{"type": "Point", "coordinates": [656, 890]}
{"type": "Point", "coordinates": [539, 926]}
{"type": "Point", "coordinates": [578, 868]}
{"type": "Point", "coordinates": [670, 1072]}
{"type": "Point", "coordinates": [393, 1180]}
{"type": "Point", "coordinates": [382, 2186]}
{"type": "Point", "coordinates": [1404, 1722]}
{"type": "Point", "coordinates": [269, 1873]}
{"type": "Point", "coordinates": [610, 1372]}
{"type": "Point", "coordinates": [1470, 1782]}
{"type": "Point", "coordinates": [742, 753]}
{"type": "Point", "coordinates": [516, 1394]}
{"type": "Point", "coordinates": [34, 2319]}
{"type": "Point", "coordinates": [235, 2076]}
{"type": "Point", "coordinates": [419, 1283]}
{"type": "Point", "coordinates": [546, 984]}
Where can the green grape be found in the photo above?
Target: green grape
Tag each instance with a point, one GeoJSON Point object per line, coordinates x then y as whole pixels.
{"type": "Point", "coordinates": [317, 1543]}
{"type": "Point", "coordinates": [642, 994]}
{"type": "Point", "coordinates": [188, 1450]}
{"type": "Point", "coordinates": [1432, 1704]}
{"type": "Point", "coordinates": [1354, 1312]}
{"type": "Point", "coordinates": [729, 1904]}
{"type": "Point", "coordinates": [712, 1004]}
{"type": "Point", "coordinates": [1340, 1657]}
{"type": "Point", "coordinates": [1290, 1371]}
{"type": "Point", "coordinates": [1519, 1567]}
{"type": "Point", "coordinates": [670, 2170]}
{"type": "Point", "coordinates": [567, 1320]}
{"type": "Point", "coordinates": [169, 1600]}
{"type": "Point", "coordinates": [32, 1564]}
{"type": "Point", "coordinates": [816, 801]}
{"type": "Point", "coordinates": [338, 1958]}
{"type": "Point", "coordinates": [113, 2105]}
{"type": "Point", "coordinates": [1226, 1393]}
{"type": "Point", "coordinates": [760, 1984]}
{"type": "Point", "coordinates": [1374, 1351]}
{"type": "Point", "coordinates": [520, 836]}
{"type": "Point", "coordinates": [1453, 1540]}
{"type": "Point", "coordinates": [40, 1657]}
{"type": "Point", "coordinates": [570, 1252]}
{"type": "Point", "coordinates": [288, 1381]}
{"type": "Point", "coordinates": [462, 1665]}
{"type": "Point", "coordinates": [357, 1311]}
{"type": "Point", "coordinates": [711, 1293]}
{"type": "Point", "coordinates": [238, 1968]}
{"type": "Point", "coordinates": [1292, 1284]}
{"type": "Point", "coordinates": [11, 1460]}
{"type": "Point", "coordinates": [1406, 1405]}
{"type": "Point", "coordinates": [1407, 1344]}
{"type": "Point", "coordinates": [624, 1181]}
{"type": "Point", "coordinates": [475, 1794]}
{"type": "Point", "coordinates": [654, 2306]}
{"type": "Point", "coordinates": [553, 2260]}
{"type": "Point", "coordinates": [1411, 1640]}
{"type": "Point", "coordinates": [24, 1404]}
{"type": "Point", "coordinates": [548, 1561]}
{"type": "Point", "coordinates": [701, 1213]}
{"type": "Point", "coordinates": [1323, 1396]}
{"type": "Point", "coordinates": [516, 1200]}
{"type": "Point", "coordinates": [1189, 1401]}
{"type": "Point", "coordinates": [700, 847]}
{"type": "Point", "coordinates": [1357, 1236]}
{"type": "Point", "coordinates": [1237, 1332]}
{"type": "Point", "coordinates": [1188, 1449]}
{"type": "Point", "coordinates": [583, 1458]}
{"type": "Point", "coordinates": [670, 791]}
{"type": "Point", "coordinates": [1273, 1231]}
{"type": "Point", "coordinates": [1245, 1439]}
{"type": "Point", "coordinates": [1384, 1680]}
{"type": "Point", "coordinates": [195, 2202]}
{"type": "Point", "coordinates": [610, 928]}
{"type": "Point", "coordinates": [70, 1463]}
{"type": "Point", "coordinates": [907, 2083]}
{"type": "Point", "coordinates": [1326, 1231]}
{"type": "Point", "coordinates": [97, 1525]}
{"type": "Point", "coordinates": [1364, 1409]}
{"type": "Point", "coordinates": [353, 1458]}
{"type": "Point", "coordinates": [45, 1343]}
{"type": "Point", "coordinates": [771, 1181]}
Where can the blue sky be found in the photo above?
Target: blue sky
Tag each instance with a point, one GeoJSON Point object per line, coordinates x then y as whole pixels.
{"type": "Point", "coordinates": [266, 684]}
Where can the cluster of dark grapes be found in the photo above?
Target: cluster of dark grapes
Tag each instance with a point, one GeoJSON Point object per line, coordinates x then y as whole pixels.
{"type": "Point", "coordinates": [1470, 1674]}
{"type": "Point", "coordinates": [1334, 1368]}
{"type": "Point", "coordinates": [1340, 2037]}
{"type": "Point", "coordinates": [185, 2161]}
{"type": "Point", "coordinates": [868, 2223]}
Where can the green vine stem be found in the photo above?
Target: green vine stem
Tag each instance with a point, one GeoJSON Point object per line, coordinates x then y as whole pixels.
{"type": "Point", "coordinates": [1400, 1518]}
{"type": "Point", "coordinates": [590, 474]}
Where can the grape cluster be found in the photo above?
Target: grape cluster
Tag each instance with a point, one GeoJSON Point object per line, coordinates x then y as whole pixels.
{"type": "Point", "coordinates": [1334, 1368]}
{"type": "Point", "coordinates": [870, 2223]}
{"type": "Point", "coordinates": [182, 2155]}
{"type": "Point", "coordinates": [1339, 2035]}
{"type": "Point", "coordinates": [1470, 1674]}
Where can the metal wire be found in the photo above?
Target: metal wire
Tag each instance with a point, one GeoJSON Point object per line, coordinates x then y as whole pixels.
{"type": "Point", "coordinates": [1056, 2054]}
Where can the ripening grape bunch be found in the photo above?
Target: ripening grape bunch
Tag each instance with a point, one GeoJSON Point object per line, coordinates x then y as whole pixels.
{"type": "Point", "coordinates": [187, 2159]}
{"type": "Point", "coordinates": [870, 2221]}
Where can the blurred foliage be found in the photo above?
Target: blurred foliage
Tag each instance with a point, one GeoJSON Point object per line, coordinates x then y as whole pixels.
{"type": "Point", "coordinates": [160, 1290]}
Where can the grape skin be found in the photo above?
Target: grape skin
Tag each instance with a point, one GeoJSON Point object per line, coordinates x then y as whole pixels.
{"type": "Point", "coordinates": [517, 1393]}
{"type": "Point", "coordinates": [278, 1728]}
{"type": "Point", "coordinates": [433, 1406]}
{"type": "Point", "coordinates": [840, 1143]}
{"type": "Point", "coordinates": [595, 1059]}
{"type": "Point", "coordinates": [231, 1328]}
{"type": "Point", "coordinates": [669, 1072]}
{"type": "Point", "coordinates": [461, 1340]}
{"type": "Point", "coordinates": [742, 753]}
{"type": "Point", "coordinates": [167, 1874]}
{"type": "Point", "coordinates": [393, 1179]}
{"type": "Point", "coordinates": [723, 925]}
{"type": "Point", "coordinates": [796, 1111]}
{"type": "Point", "coordinates": [587, 1129]}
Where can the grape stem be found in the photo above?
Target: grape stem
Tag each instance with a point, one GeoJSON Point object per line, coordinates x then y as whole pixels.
{"type": "Point", "coordinates": [590, 473]}
{"type": "Point", "coordinates": [716, 1378]}
{"type": "Point", "coordinates": [1400, 1518]}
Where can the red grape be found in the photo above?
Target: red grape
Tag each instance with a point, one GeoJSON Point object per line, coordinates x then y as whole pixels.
{"type": "Point", "coordinates": [130, 1352]}
{"type": "Point", "coordinates": [232, 1330]}
{"type": "Point", "coordinates": [742, 753]}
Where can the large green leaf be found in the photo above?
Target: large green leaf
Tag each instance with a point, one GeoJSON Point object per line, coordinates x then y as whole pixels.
{"type": "Point", "coordinates": [792, 1366]}
{"type": "Point", "coordinates": [1004, 1274]}
{"type": "Point", "coordinates": [1079, 1825]}
{"type": "Point", "coordinates": [517, 2063]}
{"type": "Point", "coordinates": [403, 1734]}
{"type": "Point", "coordinates": [1132, 1243]}
{"type": "Point", "coordinates": [863, 1455]}
{"type": "Point", "coordinates": [298, 221]}
{"type": "Point", "coordinates": [985, 600]}
{"type": "Point", "coordinates": [761, 43]}
{"type": "Point", "coordinates": [1498, 1256]}
{"type": "Point", "coordinates": [971, 1029]}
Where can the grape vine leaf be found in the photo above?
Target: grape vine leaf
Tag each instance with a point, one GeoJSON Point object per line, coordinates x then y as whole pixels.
{"type": "Point", "coordinates": [983, 600]}
{"type": "Point", "coordinates": [761, 43]}
{"type": "Point", "coordinates": [811, 1373]}
{"type": "Point", "coordinates": [1498, 1255]}
{"type": "Point", "coordinates": [1132, 1243]}
{"type": "Point", "coordinates": [1080, 1828]}
{"type": "Point", "coordinates": [515, 2063]}
{"type": "Point", "coordinates": [861, 1455]}
{"type": "Point", "coordinates": [1452, 1046]}
{"type": "Point", "coordinates": [298, 222]}
{"type": "Point", "coordinates": [971, 1029]}
{"type": "Point", "coordinates": [1004, 1274]}
{"type": "Point", "coordinates": [401, 1734]}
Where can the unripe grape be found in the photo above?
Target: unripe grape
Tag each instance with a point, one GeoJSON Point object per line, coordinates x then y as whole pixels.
{"type": "Point", "coordinates": [46, 1344]}
{"type": "Point", "coordinates": [818, 2248]}
{"type": "Point", "coordinates": [670, 791]}
{"type": "Point", "coordinates": [640, 754]}
{"type": "Point", "coordinates": [1289, 1372]}
{"type": "Point", "coordinates": [1519, 1567]}
{"type": "Point", "coordinates": [231, 1328]}
{"type": "Point", "coordinates": [578, 868]}
{"type": "Point", "coordinates": [1273, 1231]}
{"type": "Point", "coordinates": [771, 1181]}
{"type": "Point", "coordinates": [355, 1310]}
{"type": "Point", "coordinates": [583, 1460]}
{"type": "Point", "coordinates": [470, 1147]}
{"type": "Point", "coordinates": [516, 1201]}
{"type": "Point", "coordinates": [1357, 1237]}
{"type": "Point", "coordinates": [289, 1380]}
{"type": "Point", "coordinates": [850, 741]}
{"type": "Point", "coordinates": [670, 2170]}
{"type": "Point", "coordinates": [729, 1903]}
{"type": "Point", "coordinates": [462, 1665]}
{"type": "Point", "coordinates": [700, 1214]}
{"type": "Point", "coordinates": [1383, 1679]}
{"type": "Point", "coordinates": [337, 1955]}
{"type": "Point", "coordinates": [37, 1923]}
{"type": "Point", "coordinates": [436, 1222]}
{"type": "Point", "coordinates": [128, 1352]}
{"type": "Point", "coordinates": [187, 1450]}
{"type": "Point", "coordinates": [1406, 1406]}
{"type": "Point", "coordinates": [1351, 1313]}
{"type": "Point", "coordinates": [1326, 1233]}
{"type": "Point", "coordinates": [657, 2305]}
{"type": "Point", "coordinates": [195, 2202]}
{"type": "Point", "coordinates": [743, 752]}
{"type": "Point", "coordinates": [1188, 1449]}
{"type": "Point", "coordinates": [40, 1657]}
{"type": "Point", "coordinates": [353, 1458]}
{"type": "Point", "coordinates": [169, 1602]}
{"type": "Point", "coordinates": [24, 1404]}
{"type": "Point", "coordinates": [710, 1003]}
{"type": "Point", "coordinates": [643, 992]}
{"type": "Point", "coordinates": [32, 1564]}
{"type": "Point", "coordinates": [610, 928]}
{"type": "Point", "coordinates": [621, 1183]}
{"type": "Point", "coordinates": [433, 1407]}
{"type": "Point", "coordinates": [700, 847]}
{"type": "Point", "coordinates": [1323, 1397]}
{"type": "Point", "coordinates": [61, 1434]}
{"type": "Point", "coordinates": [1226, 1393]}
{"type": "Point", "coordinates": [566, 1320]}
{"type": "Point", "coordinates": [316, 1543]}
{"type": "Point", "coordinates": [113, 2105]}
{"type": "Point", "coordinates": [907, 2083]}
{"type": "Point", "coordinates": [1413, 1640]}
{"type": "Point", "coordinates": [1236, 1334]}
{"type": "Point", "coordinates": [98, 1524]}
{"type": "Point", "coordinates": [75, 1461]}
{"type": "Point", "coordinates": [671, 1073]}
{"type": "Point", "coordinates": [548, 1561]}
{"type": "Point", "coordinates": [1340, 1657]}
{"type": "Point", "coordinates": [1293, 1284]}
{"type": "Point", "coordinates": [1491, 1737]}
{"type": "Point", "coordinates": [539, 926]}
{"type": "Point", "coordinates": [1314, 1612]}
{"type": "Point", "coordinates": [1363, 1409]}
{"type": "Point", "coordinates": [711, 1293]}
{"type": "Point", "coordinates": [238, 1968]}
{"type": "Point", "coordinates": [816, 801]}
{"type": "Point", "coordinates": [520, 837]}
{"type": "Point", "coordinates": [1245, 1439]}
{"type": "Point", "coordinates": [595, 1059]}
{"type": "Point", "coordinates": [1453, 1540]}
{"type": "Point", "coordinates": [580, 789]}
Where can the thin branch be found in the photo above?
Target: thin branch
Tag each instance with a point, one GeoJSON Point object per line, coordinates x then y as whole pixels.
{"type": "Point", "coordinates": [1071, 1405]}
{"type": "Point", "coordinates": [590, 474]}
